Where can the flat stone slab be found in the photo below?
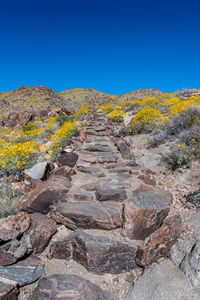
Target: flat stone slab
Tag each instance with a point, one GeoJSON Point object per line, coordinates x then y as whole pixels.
{"type": "Point", "coordinates": [159, 243]}
{"type": "Point", "coordinates": [111, 194]}
{"type": "Point", "coordinates": [69, 287]}
{"type": "Point", "coordinates": [88, 169]}
{"type": "Point", "coordinates": [24, 272]}
{"type": "Point", "coordinates": [97, 254]}
{"type": "Point", "coordinates": [97, 148]}
{"type": "Point", "coordinates": [74, 196]}
{"type": "Point", "coordinates": [161, 282]}
{"type": "Point", "coordinates": [8, 289]}
{"type": "Point", "coordinates": [145, 212]}
{"type": "Point", "coordinates": [89, 215]}
{"type": "Point", "coordinates": [40, 232]}
{"type": "Point", "coordinates": [47, 193]}
{"type": "Point", "coordinates": [12, 226]}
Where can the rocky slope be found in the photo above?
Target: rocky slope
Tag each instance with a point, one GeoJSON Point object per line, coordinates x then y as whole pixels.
{"type": "Point", "coordinates": [100, 227]}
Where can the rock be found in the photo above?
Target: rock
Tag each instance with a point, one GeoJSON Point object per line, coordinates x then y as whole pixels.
{"type": "Point", "coordinates": [12, 226]}
{"type": "Point", "coordinates": [40, 232]}
{"type": "Point", "coordinates": [67, 159]}
{"type": "Point", "coordinates": [145, 212]}
{"type": "Point", "coordinates": [89, 215]}
{"type": "Point", "coordinates": [17, 118]}
{"type": "Point", "coordinates": [39, 171]}
{"type": "Point", "coordinates": [47, 193]}
{"type": "Point", "coordinates": [82, 134]}
{"type": "Point", "coordinates": [111, 194]}
{"type": "Point", "coordinates": [185, 252]}
{"type": "Point", "coordinates": [66, 110]}
{"type": "Point", "coordinates": [8, 289]}
{"type": "Point", "coordinates": [194, 199]}
{"type": "Point", "coordinates": [190, 265]}
{"type": "Point", "coordinates": [97, 254]}
{"type": "Point", "coordinates": [91, 186]}
{"type": "Point", "coordinates": [163, 281]}
{"type": "Point", "coordinates": [11, 251]}
{"type": "Point", "coordinates": [79, 196]}
{"type": "Point", "coordinates": [88, 169]}
{"type": "Point", "coordinates": [64, 171]}
{"type": "Point", "coordinates": [124, 149]}
{"type": "Point", "coordinates": [148, 179]}
{"type": "Point", "coordinates": [159, 243]}
{"type": "Point", "coordinates": [24, 272]}
{"type": "Point", "coordinates": [71, 287]}
{"type": "Point", "coordinates": [97, 148]}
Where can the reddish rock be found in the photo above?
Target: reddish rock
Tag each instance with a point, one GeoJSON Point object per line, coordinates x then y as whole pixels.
{"type": "Point", "coordinates": [159, 243]}
{"type": "Point", "coordinates": [82, 134]}
{"type": "Point", "coordinates": [148, 179]}
{"type": "Point", "coordinates": [12, 226]}
{"type": "Point", "coordinates": [67, 159]}
{"type": "Point", "coordinates": [40, 232]}
{"type": "Point", "coordinates": [47, 193]}
{"type": "Point", "coordinates": [82, 215]}
{"type": "Point", "coordinates": [8, 289]}
{"type": "Point", "coordinates": [145, 212]}
{"type": "Point", "coordinates": [111, 194]}
{"type": "Point", "coordinates": [69, 287]}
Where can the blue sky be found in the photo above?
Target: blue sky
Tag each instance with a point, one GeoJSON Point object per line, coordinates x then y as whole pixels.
{"type": "Point", "coordinates": [113, 46]}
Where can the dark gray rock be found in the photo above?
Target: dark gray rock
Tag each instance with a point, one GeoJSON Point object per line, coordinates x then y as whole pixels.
{"type": "Point", "coordinates": [97, 148]}
{"type": "Point", "coordinates": [97, 254]}
{"type": "Point", "coordinates": [13, 250]}
{"type": "Point", "coordinates": [89, 215]}
{"type": "Point", "coordinates": [111, 194]}
{"type": "Point", "coordinates": [69, 287]}
{"type": "Point", "coordinates": [124, 149]}
{"type": "Point", "coordinates": [24, 272]}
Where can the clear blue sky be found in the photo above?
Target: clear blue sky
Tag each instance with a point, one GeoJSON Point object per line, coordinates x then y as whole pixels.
{"type": "Point", "coordinates": [114, 46]}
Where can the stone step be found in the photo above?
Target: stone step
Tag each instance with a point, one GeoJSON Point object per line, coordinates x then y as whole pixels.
{"type": "Point", "coordinates": [88, 215]}
{"type": "Point", "coordinates": [98, 254]}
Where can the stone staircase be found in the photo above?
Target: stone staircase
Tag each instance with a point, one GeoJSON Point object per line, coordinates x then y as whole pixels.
{"type": "Point", "coordinates": [112, 222]}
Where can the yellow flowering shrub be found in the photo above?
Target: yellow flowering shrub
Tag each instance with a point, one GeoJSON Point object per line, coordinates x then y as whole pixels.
{"type": "Point", "coordinates": [18, 156]}
{"type": "Point", "coordinates": [151, 101]}
{"type": "Point", "coordinates": [146, 119]}
{"type": "Point", "coordinates": [171, 102]}
{"type": "Point", "coordinates": [107, 109]}
{"type": "Point", "coordinates": [82, 111]}
{"type": "Point", "coordinates": [117, 115]}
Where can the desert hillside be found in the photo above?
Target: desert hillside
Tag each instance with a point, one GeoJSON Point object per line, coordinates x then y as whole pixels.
{"type": "Point", "coordinates": [99, 195]}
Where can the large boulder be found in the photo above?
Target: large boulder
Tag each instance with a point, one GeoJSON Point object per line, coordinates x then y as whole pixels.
{"type": "Point", "coordinates": [145, 212]}
{"type": "Point", "coordinates": [164, 281]}
{"type": "Point", "coordinates": [97, 254]}
{"type": "Point", "coordinates": [70, 287]}
{"type": "Point", "coordinates": [17, 118]}
{"type": "Point", "coordinates": [46, 194]}
{"type": "Point", "coordinates": [12, 226]}
{"type": "Point", "coordinates": [159, 243]}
